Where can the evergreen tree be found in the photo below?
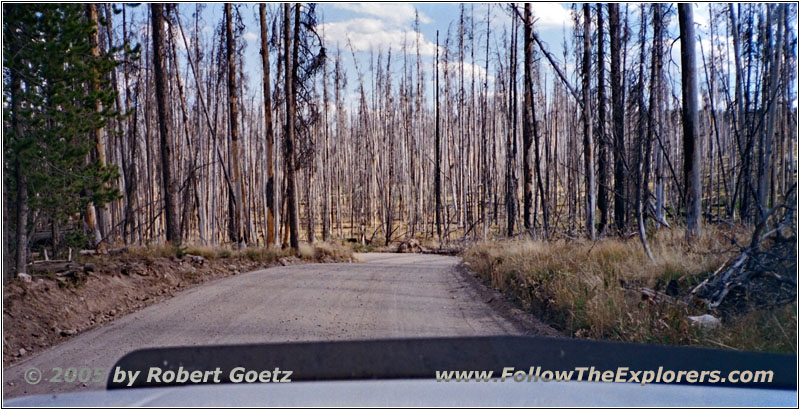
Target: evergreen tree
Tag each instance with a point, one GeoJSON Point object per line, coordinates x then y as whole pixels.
{"type": "Point", "coordinates": [49, 115]}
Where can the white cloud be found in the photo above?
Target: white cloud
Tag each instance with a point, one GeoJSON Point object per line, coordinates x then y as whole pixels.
{"type": "Point", "coordinates": [550, 15]}
{"type": "Point", "coordinates": [396, 13]}
{"type": "Point", "coordinates": [250, 36]}
{"type": "Point", "coordinates": [701, 15]}
{"type": "Point", "coordinates": [372, 34]}
{"type": "Point", "coordinates": [547, 16]}
{"type": "Point", "coordinates": [469, 68]}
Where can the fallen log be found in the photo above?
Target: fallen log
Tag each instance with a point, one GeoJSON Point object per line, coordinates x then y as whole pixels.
{"type": "Point", "coordinates": [54, 267]}
{"type": "Point", "coordinates": [766, 256]}
{"type": "Point", "coordinates": [657, 297]}
{"type": "Point", "coordinates": [48, 261]}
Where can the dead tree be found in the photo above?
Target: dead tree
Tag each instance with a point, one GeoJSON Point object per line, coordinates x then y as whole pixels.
{"type": "Point", "coordinates": [588, 142]}
{"type": "Point", "coordinates": [773, 50]}
{"type": "Point", "coordinates": [437, 182]}
{"type": "Point", "coordinates": [270, 135]}
{"type": "Point", "coordinates": [602, 138]}
{"type": "Point", "coordinates": [237, 194]}
{"type": "Point", "coordinates": [167, 179]}
{"type": "Point", "coordinates": [527, 124]}
{"type": "Point", "coordinates": [290, 63]}
{"type": "Point", "coordinates": [692, 160]}
{"type": "Point", "coordinates": [511, 136]}
{"type": "Point", "coordinates": [326, 171]}
{"type": "Point", "coordinates": [485, 189]}
{"type": "Point", "coordinates": [97, 218]}
{"type": "Point", "coordinates": [618, 117]}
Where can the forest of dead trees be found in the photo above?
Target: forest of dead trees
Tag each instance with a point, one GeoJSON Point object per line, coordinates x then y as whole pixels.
{"type": "Point", "coordinates": [615, 135]}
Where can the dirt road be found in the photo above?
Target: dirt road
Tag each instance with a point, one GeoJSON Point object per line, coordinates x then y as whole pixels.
{"type": "Point", "coordinates": [384, 296]}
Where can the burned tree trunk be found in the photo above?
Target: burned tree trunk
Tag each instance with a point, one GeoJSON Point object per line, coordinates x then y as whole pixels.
{"type": "Point", "coordinates": [96, 219]}
{"type": "Point", "coordinates": [511, 136]}
{"type": "Point", "coordinates": [588, 142]}
{"type": "Point", "coordinates": [692, 160]}
{"type": "Point", "coordinates": [527, 125]}
{"type": "Point", "coordinates": [618, 117]}
{"type": "Point", "coordinates": [270, 134]}
{"type": "Point", "coordinates": [773, 79]}
{"type": "Point", "coordinates": [290, 63]}
{"type": "Point", "coordinates": [437, 182]}
{"type": "Point", "coordinates": [602, 140]}
{"type": "Point", "coordinates": [237, 187]}
{"type": "Point", "coordinates": [167, 178]}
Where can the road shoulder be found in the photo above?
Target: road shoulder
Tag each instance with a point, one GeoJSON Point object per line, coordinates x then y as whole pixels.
{"type": "Point", "coordinates": [524, 322]}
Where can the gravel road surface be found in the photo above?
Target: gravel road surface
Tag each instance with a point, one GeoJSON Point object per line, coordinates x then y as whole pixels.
{"type": "Point", "coordinates": [383, 296]}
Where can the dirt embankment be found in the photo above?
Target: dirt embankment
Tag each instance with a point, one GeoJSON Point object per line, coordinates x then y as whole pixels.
{"type": "Point", "coordinates": [65, 299]}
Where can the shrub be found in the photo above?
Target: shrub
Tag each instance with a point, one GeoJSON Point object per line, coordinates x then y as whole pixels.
{"type": "Point", "coordinates": [592, 289]}
{"type": "Point", "coordinates": [261, 254]}
{"type": "Point", "coordinates": [204, 251]}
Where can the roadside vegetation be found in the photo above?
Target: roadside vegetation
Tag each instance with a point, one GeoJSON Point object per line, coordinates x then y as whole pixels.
{"type": "Point", "coordinates": [317, 252]}
{"type": "Point", "coordinates": [404, 244]}
{"type": "Point", "coordinates": [62, 298]}
{"type": "Point", "coordinates": [608, 289]}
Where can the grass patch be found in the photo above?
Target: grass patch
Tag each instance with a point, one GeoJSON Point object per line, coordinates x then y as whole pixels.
{"type": "Point", "coordinates": [325, 252]}
{"type": "Point", "coordinates": [258, 254]}
{"type": "Point", "coordinates": [204, 251]}
{"type": "Point", "coordinates": [592, 289]}
{"type": "Point", "coordinates": [157, 251]}
{"type": "Point", "coordinates": [318, 252]}
{"type": "Point", "coordinates": [360, 247]}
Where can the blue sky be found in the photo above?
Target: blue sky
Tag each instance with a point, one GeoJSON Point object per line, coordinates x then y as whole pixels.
{"type": "Point", "coordinates": [380, 26]}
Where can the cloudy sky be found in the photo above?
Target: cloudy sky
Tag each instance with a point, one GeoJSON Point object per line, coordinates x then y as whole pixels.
{"type": "Point", "coordinates": [373, 27]}
{"type": "Point", "coordinates": [370, 27]}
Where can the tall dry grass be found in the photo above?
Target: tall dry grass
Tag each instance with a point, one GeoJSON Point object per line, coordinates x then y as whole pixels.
{"type": "Point", "coordinates": [592, 289]}
{"type": "Point", "coordinates": [317, 252]}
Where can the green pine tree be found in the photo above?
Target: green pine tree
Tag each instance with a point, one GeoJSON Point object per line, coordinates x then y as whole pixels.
{"type": "Point", "coordinates": [49, 113]}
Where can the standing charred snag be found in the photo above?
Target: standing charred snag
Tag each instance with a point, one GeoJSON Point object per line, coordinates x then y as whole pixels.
{"type": "Point", "coordinates": [237, 185]}
{"type": "Point", "coordinates": [692, 160]}
{"type": "Point", "coordinates": [167, 178]}
{"type": "Point", "coordinates": [130, 177]}
{"type": "Point", "coordinates": [618, 117]}
{"type": "Point", "coordinates": [270, 135]}
{"type": "Point", "coordinates": [654, 116]}
{"type": "Point", "coordinates": [290, 64]}
{"type": "Point", "coordinates": [511, 136]}
{"type": "Point", "coordinates": [527, 125]}
{"type": "Point", "coordinates": [484, 135]}
{"type": "Point", "coordinates": [389, 204]}
{"type": "Point", "coordinates": [543, 199]}
{"type": "Point", "coordinates": [643, 150]}
{"type": "Point", "coordinates": [740, 125]}
{"type": "Point", "coordinates": [602, 138]}
{"type": "Point", "coordinates": [96, 219]}
{"type": "Point", "coordinates": [326, 171]}
{"type": "Point", "coordinates": [437, 182]}
{"type": "Point", "coordinates": [190, 180]}
{"type": "Point", "coordinates": [588, 143]}
{"type": "Point", "coordinates": [766, 139]}
{"type": "Point", "coordinates": [640, 156]}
